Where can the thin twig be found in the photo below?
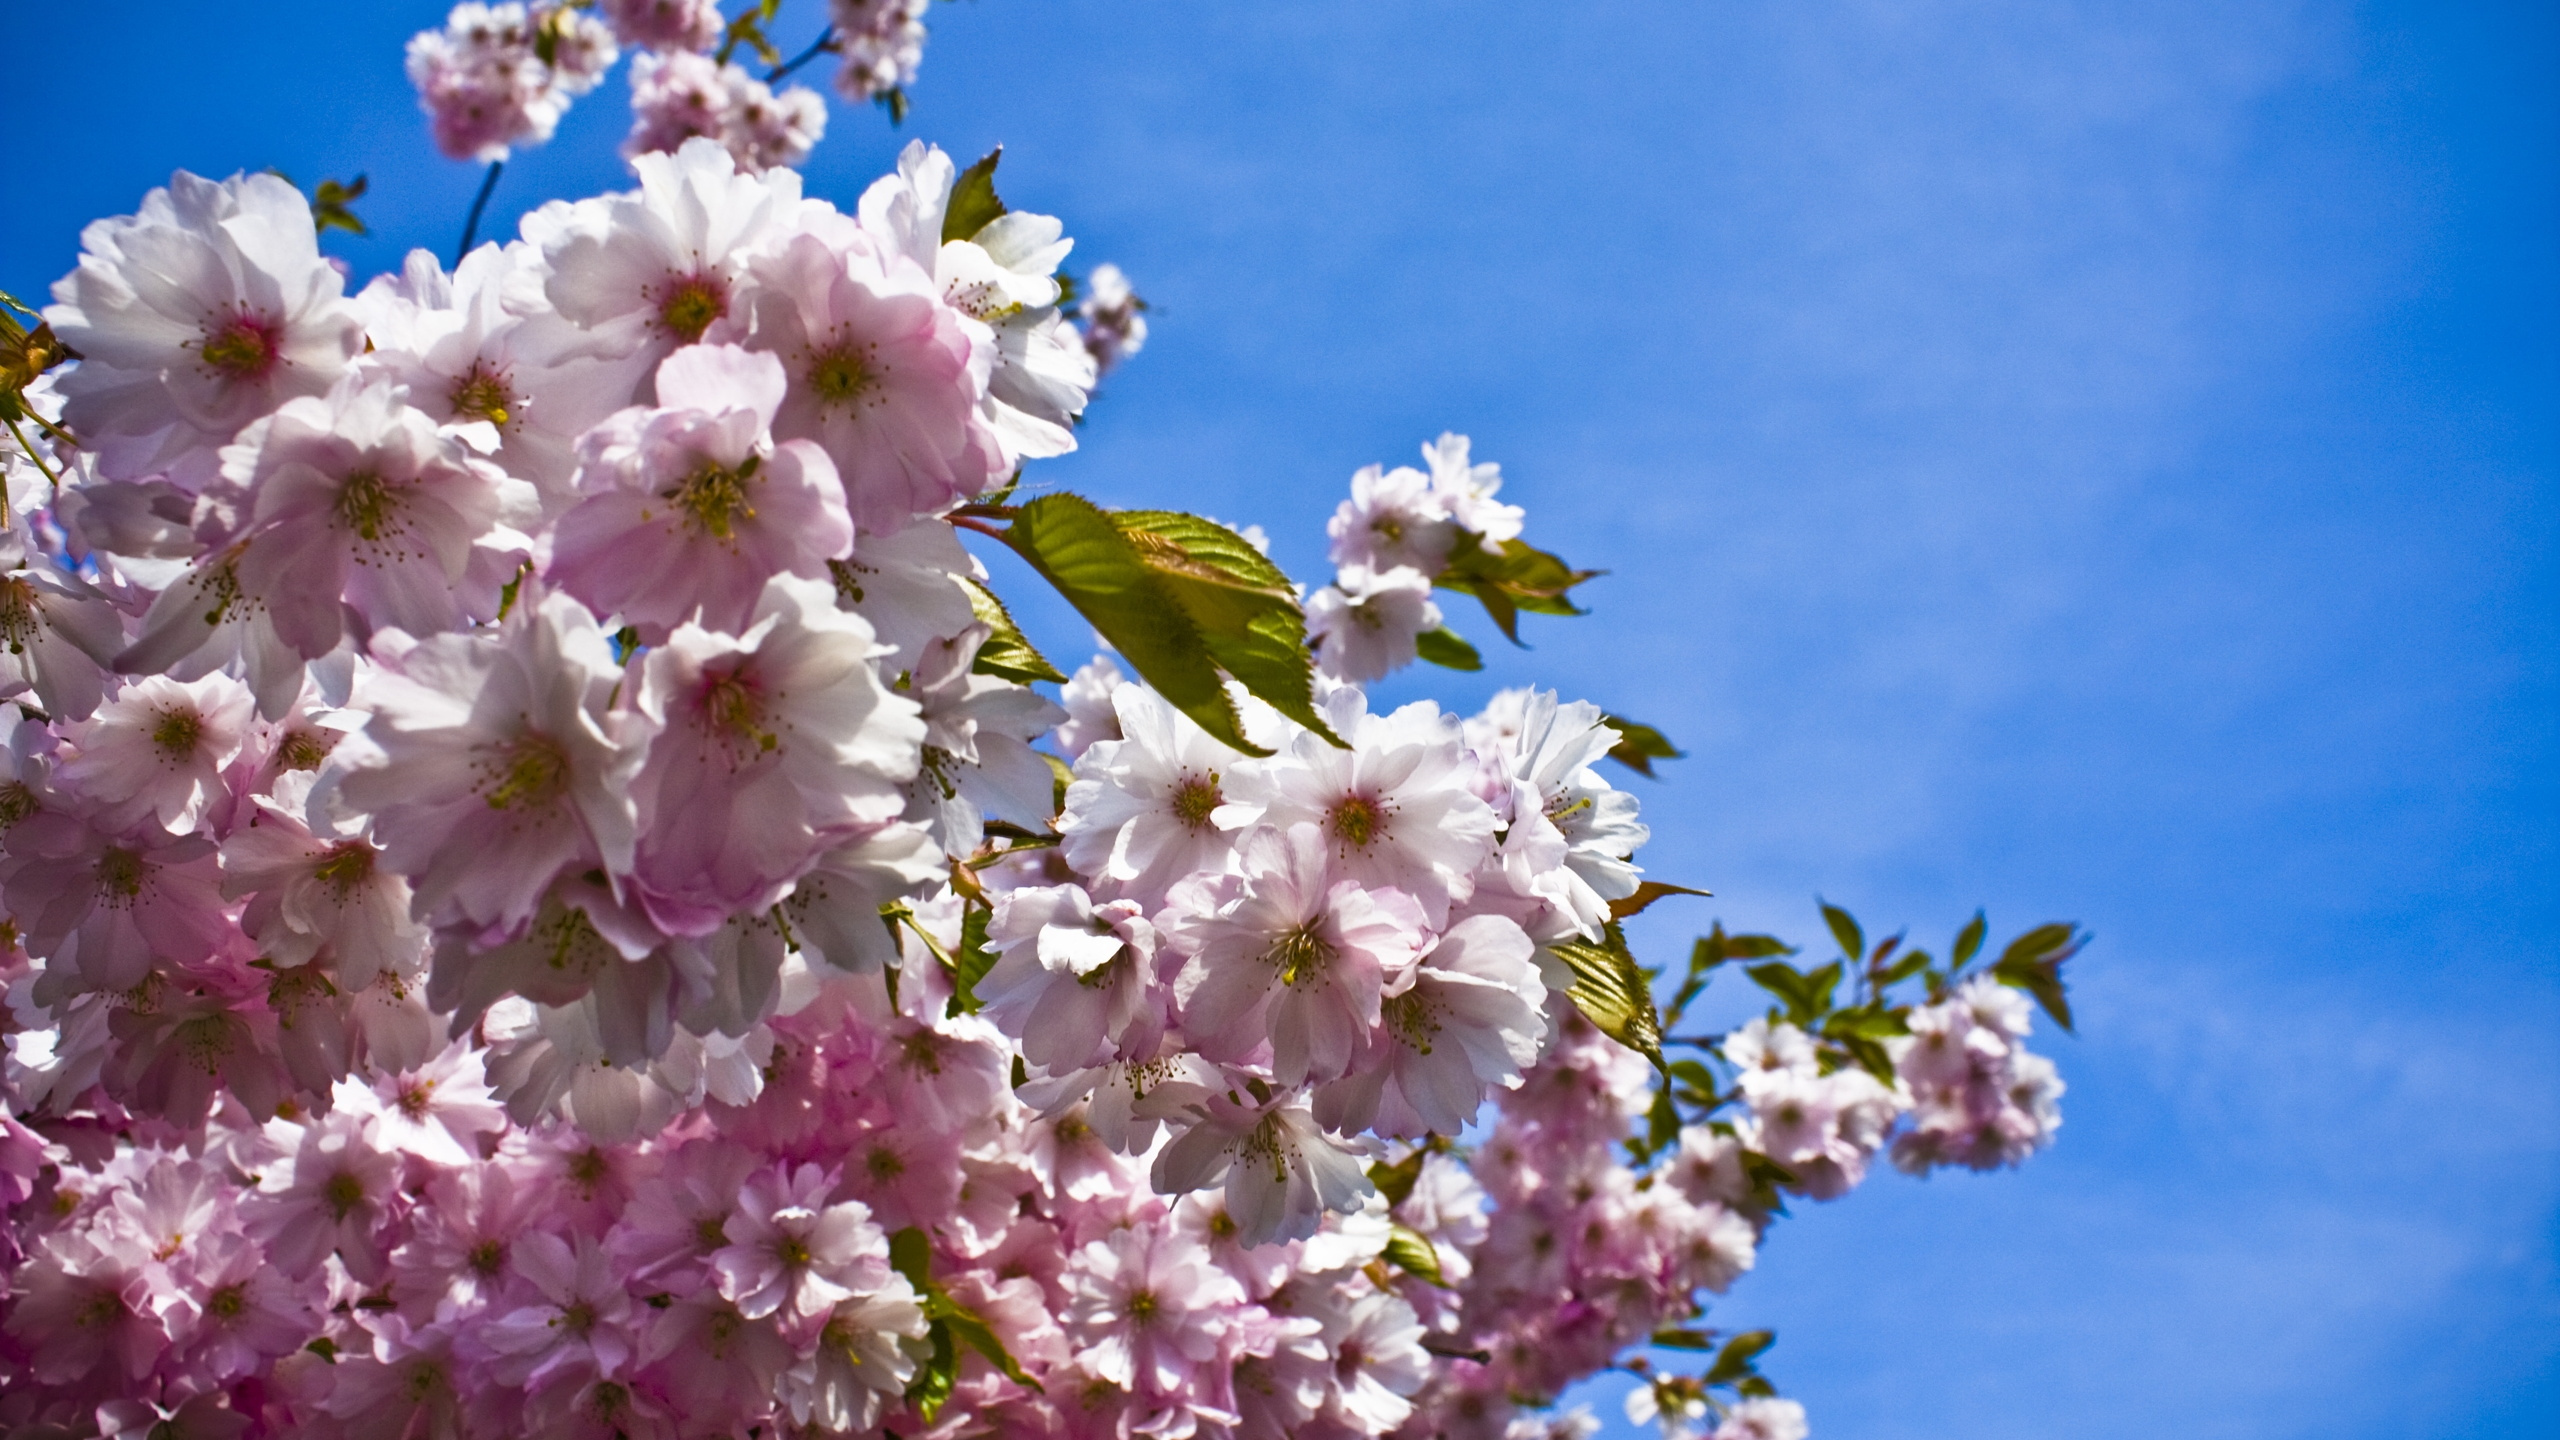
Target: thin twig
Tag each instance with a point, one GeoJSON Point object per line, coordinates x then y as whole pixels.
{"type": "Point", "coordinates": [825, 42]}
{"type": "Point", "coordinates": [32, 457]}
{"type": "Point", "coordinates": [966, 523]}
{"type": "Point", "coordinates": [480, 202]}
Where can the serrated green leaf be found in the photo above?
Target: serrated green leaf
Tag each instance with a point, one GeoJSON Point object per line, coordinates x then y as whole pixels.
{"type": "Point", "coordinates": [2033, 963]}
{"type": "Point", "coordinates": [1511, 577]}
{"type": "Point", "coordinates": [973, 205]}
{"type": "Point", "coordinates": [1448, 649]}
{"type": "Point", "coordinates": [1740, 1356]}
{"type": "Point", "coordinates": [1612, 991]}
{"type": "Point", "coordinates": [1969, 939]}
{"type": "Point", "coordinates": [975, 958]}
{"type": "Point", "coordinates": [1853, 941]}
{"type": "Point", "coordinates": [1006, 654]}
{"type": "Point", "coordinates": [1413, 1253]}
{"type": "Point", "coordinates": [1076, 548]}
{"type": "Point", "coordinates": [2041, 983]}
{"type": "Point", "coordinates": [1646, 894]}
{"type": "Point", "coordinates": [331, 206]}
{"type": "Point", "coordinates": [1685, 1339]}
{"type": "Point", "coordinates": [1243, 607]}
{"type": "Point", "coordinates": [1639, 745]}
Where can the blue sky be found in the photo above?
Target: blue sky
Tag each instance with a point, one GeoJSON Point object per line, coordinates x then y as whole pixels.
{"type": "Point", "coordinates": [2090, 460]}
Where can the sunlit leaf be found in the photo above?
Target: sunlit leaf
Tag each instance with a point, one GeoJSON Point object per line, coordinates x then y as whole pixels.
{"type": "Point", "coordinates": [1646, 894]}
{"type": "Point", "coordinates": [973, 205]}
{"type": "Point", "coordinates": [1612, 991]}
{"type": "Point", "coordinates": [1412, 1252]}
{"type": "Point", "coordinates": [1006, 654]}
{"type": "Point", "coordinates": [1448, 649]}
{"type": "Point", "coordinates": [1639, 745]}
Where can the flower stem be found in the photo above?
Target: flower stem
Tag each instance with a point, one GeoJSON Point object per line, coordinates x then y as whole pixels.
{"type": "Point", "coordinates": [825, 42]}
{"type": "Point", "coordinates": [479, 203]}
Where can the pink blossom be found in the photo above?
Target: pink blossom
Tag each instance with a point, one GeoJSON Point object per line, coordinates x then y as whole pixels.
{"type": "Point", "coordinates": [502, 763]}
{"type": "Point", "coordinates": [688, 511]}
{"type": "Point", "coordinates": [885, 375]}
{"type": "Point", "coordinates": [1146, 1309]}
{"type": "Point", "coordinates": [1072, 978]}
{"type": "Point", "coordinates": [794, 1254]}
{"type": "Point", "coordinates": [665, 25]}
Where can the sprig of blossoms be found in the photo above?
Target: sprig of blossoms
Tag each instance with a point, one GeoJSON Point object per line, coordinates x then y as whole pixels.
{"type": "Point", "coordinates": [533, 906]}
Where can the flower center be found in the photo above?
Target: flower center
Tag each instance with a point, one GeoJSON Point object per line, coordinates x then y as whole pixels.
{"type": "Point", "coordinates": [243, 349]}
{"type": "Point", "coordinates": [415, 1098]}
{"type": "Point", "coordinates": [177, 733]}
{"type": "Point", "coordinates": [528, 775]}
{"type": "Point", "coordinates": [481, 395]}
{"type": "Point", "coordinates": [793, 1252]}
{"type": "Point", "coordinates": [17, 614]}
{"type": "Point", "coordinates": [119, 874]}
{"type": "Point", "coordinates": [578, 1318]}
{"type": "Point", "coordinates": [1142, 1306]}
{"type": "Point", "coordinates": [840, 374]}
{"type": "Point", "coordinates": [17, 802]}
{"type": "Point", "coordinates": [691, 306]}
{"type": "Point", "coordinates": [884, 1164]}
{"type": "Point", "coordinates": [344, 1192]}
{"type": "Point", "coordinates": [1356, 820]}
{"type": "Point", "coordinates": [1196, 799]}
{"type": "Point", "coordinates": [731, 706]}
{"type": "Point", "coordinates": [344, 866]}
{"type": "Point", "coordinates": [226, 1303]}
{"type": "Point", "coordinates": [1300, 956]}
{"type": "Point", "coordinates": [711, 1232]}
{"type": "Point", "coordinates": [305, 749]}
{"type": "Point", "coordinates": [1408, 1016]}
{"type": "Point", "coordinates": [715, 498]}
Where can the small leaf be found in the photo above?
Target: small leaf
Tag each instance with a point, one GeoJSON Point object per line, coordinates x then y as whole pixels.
{"type": "Point", "coordinates": [1639, 745]}
{"type": "Point", "coordinates": [1911, 963]}
{"type": "Point", "coordinates": [1756, 1388]}
{"type": "Point", "coordinates": [1413, 1253]}
{"type": "Point", "coordinates": [975, 959]}
{"type": "Point", "coordinates": [1685, 1339]}
{"type": "Point", "coordinates": [1969, 939]}
{"type": "Point", "coordinates": [1509, 578]}
{"type": "Point", "coordinates": [1740, 1356]}
{"type": "Point", "coordinates": [331, 206]}
{"type": "Point", "coordinates": [1448, 649]}
{"type": "Point", "coordinates": [973, 205]}
{"type": "Point", "coordinates": [1646, 894]}
{"type": "Point", "coordinates": [1853, 941]}
{"type": "Point", "coordinates": [970, 1329]}
{"type": "Point", "coordinates": [1662, 1122]}
{"type": "Point", "coordinates": [1006, 654]}
{"type": "Point", "coordinates": [2033, 963]}
{"type": "Point", "coordinates": [935, 1378]}
{"type": "Point", "coordinates": [1244, 608]}
{"type": "Point", "coordinates": [911, 1255]}
{"type": "Point", "coordinates": [1612, 991]}
{"type": "Point", "coordinates": [894, 100]}
{"type": "Point", "coordinates": [1396, 1181]}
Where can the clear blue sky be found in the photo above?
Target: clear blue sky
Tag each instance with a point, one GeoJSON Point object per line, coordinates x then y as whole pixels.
{"type": "Point", "coordinates": [2091, 459]}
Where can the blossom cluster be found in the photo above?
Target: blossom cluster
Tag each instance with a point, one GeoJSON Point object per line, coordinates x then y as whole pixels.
{"type": "Point", "coordinates": [498, 76]}
{"type": "Point", "coordinates": [534, 903]}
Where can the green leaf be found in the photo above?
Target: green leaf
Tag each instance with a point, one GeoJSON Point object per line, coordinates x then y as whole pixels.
{"type": "Point", "coordinates": [935, 1378]}
{"type": "Point", "coordinates": [1639, 745]}
{"type": "Point", "coordinates": [1740, 1356]}
{"type": "Point", "coordinates": [1969, 939]}
{"type": "Point", "coordinates": [331, 206]}
{"type": "Point", "coordinates": [1872, 1021]}
{"type": "Point", "coordinates": [1869, 1056]}
{"type": "Point", "coordinates": [970, 1329]}
{"type": "Point", "coordinates": [1076, 548]}
{"type": "Point", "coordinates": [1912, 963]}
{"type": "Point", "coordinates": [1853, 941]}
{"type": "Point", "coordinates": [1646, 894]}
{"type": "Point", "coordinates": [1244, 608]}
{"type": "Point", "coordinates": [1413, 1253]}
{"type": "Point", "coordinates": [1448, 649]}
{"type": "Point", "coordinates": [1612, 991]}
{"type": "Point", "coordinates": [1662, 1122]}
{"type": "Point", "coordinates": [975, 958]}
{"type": "Point", "coordinates": [1396, 1181]}
{"type": "Point", "coordinates": [911, 1255]}
{"type": "Point", "coordinates": [2033, 963]}
{"type": "Point", "coordinates": [893, 100]}
{"type": "Point", "coordinates": [1805, 996]}
{"type": "Point", "coordinates": [1511, 577]}
{"type": "Point", "coordinates": [973, 205]}
{"type": "Point", "coordinates": [1685, 1339]}
{"type": "Point", "coordinates": [1006, 654]}
{"type": "Point", "coordinates": [1756, 1387]}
